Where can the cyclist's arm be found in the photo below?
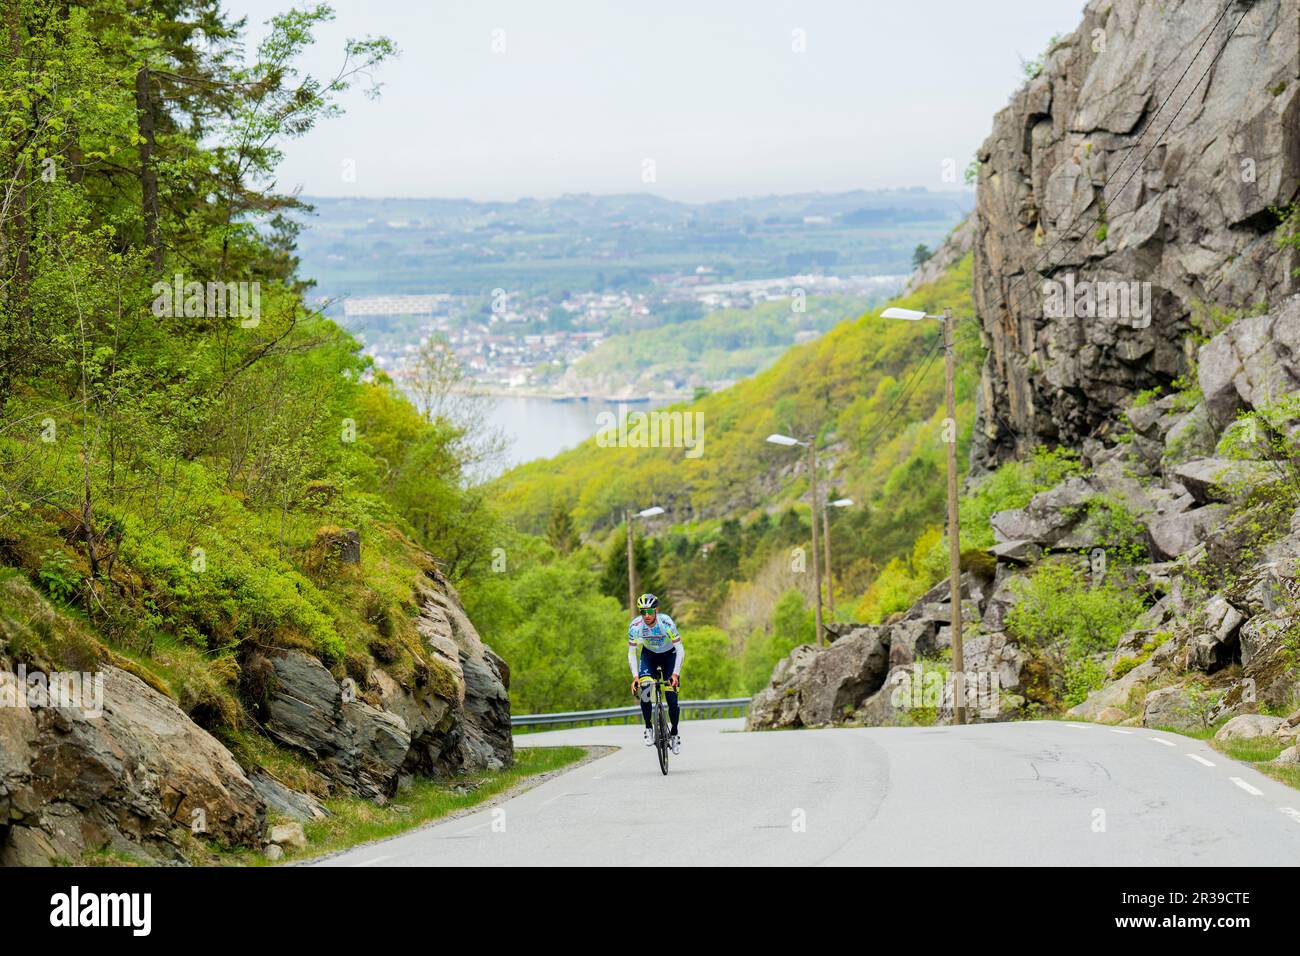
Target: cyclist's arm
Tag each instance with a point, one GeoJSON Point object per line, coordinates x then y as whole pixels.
{"type": "Point", "coordinates": [631, 652]}
{"type": "Point", "coordinates": [679, 649]}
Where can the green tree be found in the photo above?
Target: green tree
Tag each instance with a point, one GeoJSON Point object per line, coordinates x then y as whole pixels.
{"type": "Point", "coordinates": [560, 532]}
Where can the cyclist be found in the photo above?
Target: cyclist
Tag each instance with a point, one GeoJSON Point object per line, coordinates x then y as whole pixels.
{"type": "Point", "coordinates": [661, 647]}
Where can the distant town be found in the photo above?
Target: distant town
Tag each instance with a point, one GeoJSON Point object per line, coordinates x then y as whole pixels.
{"type": "Point", "coordinates": [518, 343]}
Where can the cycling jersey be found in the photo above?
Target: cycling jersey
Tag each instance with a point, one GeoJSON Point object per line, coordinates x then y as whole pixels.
{"type": "Point", "coordinates": [658, 638]}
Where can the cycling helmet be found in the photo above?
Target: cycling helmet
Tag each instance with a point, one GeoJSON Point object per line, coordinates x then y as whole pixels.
{"type": "Point", "coordinates": [647, 603]}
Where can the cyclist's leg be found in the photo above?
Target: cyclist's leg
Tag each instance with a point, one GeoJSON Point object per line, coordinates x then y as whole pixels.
{"type": "Point", "coordinates": [671, 695]}
{"type": "Point", "coordinates": [646, 689]}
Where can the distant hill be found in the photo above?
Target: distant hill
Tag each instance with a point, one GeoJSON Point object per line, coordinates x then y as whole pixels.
{"type": "Point", "coordinates": [369, 246]}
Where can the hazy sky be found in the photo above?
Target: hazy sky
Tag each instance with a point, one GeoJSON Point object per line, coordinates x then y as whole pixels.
{"type": "Point", "coordinates": [712, 91]}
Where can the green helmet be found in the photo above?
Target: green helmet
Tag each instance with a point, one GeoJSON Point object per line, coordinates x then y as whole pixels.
{"type": "Point", "coordinates": [647, 604]}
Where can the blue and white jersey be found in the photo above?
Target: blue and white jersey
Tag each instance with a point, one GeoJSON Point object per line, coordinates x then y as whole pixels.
{"type": "Point", "coordinates": [657, 638]}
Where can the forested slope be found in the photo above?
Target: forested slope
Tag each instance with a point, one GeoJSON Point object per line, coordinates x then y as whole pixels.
{"type": "Point", "coordinates": [206, 491]}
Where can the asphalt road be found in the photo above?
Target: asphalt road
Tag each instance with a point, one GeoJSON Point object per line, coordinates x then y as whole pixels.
{"type": "Point", "coordinates": [1016, 793]}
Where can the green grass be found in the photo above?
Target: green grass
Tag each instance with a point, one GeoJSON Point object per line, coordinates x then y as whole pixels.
{"type": "Point", "coordinates": [1257, 753]}
{"type": "Point", "coordinates": [354, 821]}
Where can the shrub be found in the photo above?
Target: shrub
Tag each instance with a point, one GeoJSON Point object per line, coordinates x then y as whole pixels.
{"type": "Point", "coordinates": [1057, 609]}
{"type": "Point", "coordinates": [59, 576]}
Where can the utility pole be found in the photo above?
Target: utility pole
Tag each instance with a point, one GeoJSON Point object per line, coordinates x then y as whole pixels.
{"type": "Point", "coordinates": [826, 549]}
{"type": "Point", "coordinates": [817, 568]}
{"type": "Point", "coordinates": [631, 566]}
{"type": "Point", "coordinates": [954, 528]}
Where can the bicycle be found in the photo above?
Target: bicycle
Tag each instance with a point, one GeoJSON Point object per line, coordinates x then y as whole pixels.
{"type": "Point", "coordinates": [659, 719]}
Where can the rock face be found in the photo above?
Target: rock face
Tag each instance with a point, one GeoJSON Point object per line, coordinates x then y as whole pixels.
{"type": "Point", "coordinates": [132, 778]}
{"type": "Point", "coordinates": [480, 739]}
{"type": "Point", "coordinates": [457, 720]}
{"type": "Point", "coordinates": [360, 745]}
{"type": "Point", "coordinates": [886, 674]}
{"type": "Point", "coordinates": [819, 686]}
{"type": "Point", "coordinates": [137, 774]}
{"type": "Point", "coordinates": [953, 249]}
{"type": "Point", "coordinates": [1079, 184]}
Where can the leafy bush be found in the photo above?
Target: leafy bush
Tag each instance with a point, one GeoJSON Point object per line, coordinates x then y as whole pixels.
{"type": "Point", "coordinates": [1082, 676]}
{"type": "Point", "coordinates": [59, 575]}
{"type": "Point", "coordinates": [1056, 608]}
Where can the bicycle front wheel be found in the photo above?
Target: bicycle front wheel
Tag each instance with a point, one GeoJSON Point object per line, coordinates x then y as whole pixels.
{"type": "Point", "coordinates": [661, 739]}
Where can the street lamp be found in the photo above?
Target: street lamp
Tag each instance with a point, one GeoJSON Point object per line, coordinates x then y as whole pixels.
{"type": "Point", "coordinates": [631, 554]}
{"type": "Point", "coordinates": [954, 530]}
{"type": "Point", "coordinates": [826, 545]}
{"type": "Point", "coordinates": [786, 440]}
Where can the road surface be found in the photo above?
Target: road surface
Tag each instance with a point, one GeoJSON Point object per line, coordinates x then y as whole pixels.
{"type": "Point", "coordinates": [1043, 792]}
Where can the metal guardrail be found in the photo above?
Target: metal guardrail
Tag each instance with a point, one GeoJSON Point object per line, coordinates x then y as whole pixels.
{"type": "Point", "coordinates": [735, 706]}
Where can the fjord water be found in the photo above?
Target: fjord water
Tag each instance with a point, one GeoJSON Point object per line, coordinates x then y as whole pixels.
{"type": "Point", "coordinates": [542, 427]}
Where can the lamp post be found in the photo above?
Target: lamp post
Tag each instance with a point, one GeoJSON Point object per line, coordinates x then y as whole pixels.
{"type": "Point", "coordinates": [826, 546]}
{"type": "Point", "coordinates": [631, 553]}
{"type": "Point", "coordinates": [810, 444]}
{"type": "Point", "coordinates": [954, 530]}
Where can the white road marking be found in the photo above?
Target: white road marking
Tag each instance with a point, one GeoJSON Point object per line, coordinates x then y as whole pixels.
{"type": "Point", "coordinates": [1116, 730]}
{"type": "Point", "coordinates": [1247, 787]}
{"type": "Point", "coordinates": [372, 862]}
{"type": "Point", "coordinates": [1201, 760]}
{"type": "Point", "coordinates": [1167, 743]}
{"type": "Point", "coordinates": [1291, 812]}
{"type": "Point", "coordinates": [1079, 726]}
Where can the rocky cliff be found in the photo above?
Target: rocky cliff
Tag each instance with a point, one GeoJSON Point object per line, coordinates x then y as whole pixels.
{"type": "Point", "coordinates": [119, 767]}
{"type": "Point", "coordinates": [1138, 308]}
{"type": "Point", "coordinates": [1136, 156]}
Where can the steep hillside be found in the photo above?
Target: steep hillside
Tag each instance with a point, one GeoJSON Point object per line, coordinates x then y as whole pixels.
{"type": "Point", "coordinates": [225, 538]}
{"type": "Point", "coordinates": [710, 352]}
{"type": "Point", "coordinates": [1153, 579]}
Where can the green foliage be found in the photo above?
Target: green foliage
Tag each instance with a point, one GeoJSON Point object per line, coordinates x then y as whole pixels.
{"type": "Point", "coordinates": [1012, 486]}
{"type": "Point", "coordinates": [717, 348]}
{"type": "Point", "coordinates": [1082, 676]}
{"type": "Point", "coordinates": [58, 575]}
{"type": "Point", "coordinates": [1057, 609]}
{"type": "Point", "coordinates": [1288, 229]}
{"type": "Point", "coordinates": [1070, 624]}
{"type": "Point", "coordinates": [614, 580]}
{"type": "Point", "coordinates": [793, 624]}
{"type": "Point", "coordinates": [1032, 69]}
{"type": "Point", "coordinates": [169, 465]}
{"type": "Point", "coordinates": [1121, 533]}
{"type": "Point", "coordinates": [566, 642]}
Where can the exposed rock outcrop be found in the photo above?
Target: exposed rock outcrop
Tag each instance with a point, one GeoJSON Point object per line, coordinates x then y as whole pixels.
{"type": "Point", "coordinates": [138, 776]}
{"type": "Point", "coordinates": [1080, 183]}
{"type": "Point", "coordinates": [951, 251]}
{"type": "Point", "coordinates": [132, 778]}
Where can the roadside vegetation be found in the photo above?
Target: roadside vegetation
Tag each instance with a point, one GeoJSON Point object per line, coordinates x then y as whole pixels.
{"type": "Point", "coordinates": [353, 821]}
